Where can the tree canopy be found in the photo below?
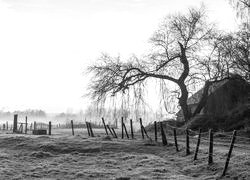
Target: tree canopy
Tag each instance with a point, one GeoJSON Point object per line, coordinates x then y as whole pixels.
{"type": "Point", "coordinates": [186, 50]}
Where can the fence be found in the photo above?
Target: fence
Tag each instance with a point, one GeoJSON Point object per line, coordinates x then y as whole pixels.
{"type": "Point", "coordinates": [198, 136]}
{"type": "Point", "coordinates": [24, 127]}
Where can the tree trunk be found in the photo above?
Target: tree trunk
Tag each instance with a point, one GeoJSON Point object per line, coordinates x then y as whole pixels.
{"type": "Point", "coordinates": [183, 102]}
{"type": "Point", "coordinates": [181, 83]}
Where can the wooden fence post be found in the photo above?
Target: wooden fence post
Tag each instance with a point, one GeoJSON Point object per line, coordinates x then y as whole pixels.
{"type": "Point", "coordinates": [175, 140]}
{"type": "Point", "coordinates": [34, 126]}
{"type": "Point", "coordinates": [122, 129]}
{"type": "Point", "coordinates": [114, 132]}
{"type": "Point", "coordinates": [15, 123]}
{"type": "Point", "coordinates": [229, 153]}
{"type": "Point", "coordinates": [110, 130]}
{"type": "Point", "coordinates": [7, 126]}
{"type": "Point", "coordinates": [49, 127]}
{"type": "Point", "coordinates": [187, 143]}
{"type": "Point", "coordinates": [163, 136]}
{"type": "Point", "coordinates": [197, 145]}
{"type": "Point", "coordinates": [126, 130]}
{"type": "Point", "coordinates": [87, 126]}
{"type": "Point", "coordinates": [142, 133]}
{"type": "Point", "coordinates": [210, 151]}
{"type": "Point", "coordinates": [26, 124]}
{"type": "Point", "coordinates": [105, 126]}
{"type": "Point", "coordinates": [155, 124]}
{"type": "Point", "coordinates": [144, 130]}
{"type": "Point", "coordinates": [72, 127]}
{"type": "Point", "coordinates": [91, 130]}
{"type": "Point", "coordinates": [131, 129]}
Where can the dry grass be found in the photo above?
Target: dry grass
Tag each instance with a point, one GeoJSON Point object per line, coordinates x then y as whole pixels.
{"type": "Point", "coordinates": [79, 157]}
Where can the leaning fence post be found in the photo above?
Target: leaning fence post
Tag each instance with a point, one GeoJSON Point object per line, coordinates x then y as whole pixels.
{"type": "Point", "coordinates": [175, 140]}
{"type": "Point", "coordinates": [163, 136]}
{"type": "Point", "coordinates": [144, 130]}
{"type": "Point", "coordinates": [131, 129]}
{"type": "Point", "coordinates": [15, 123]}
{"type": "Point", "coordinates": [229, 153]}
{"type": "Point", "coordinates": [49, 127]}
{"type": "Point", "coordinates": [91, 131]}
{"type": "Point", "coordinates": [187, 143]}
{"type": "Point", "coordinates": [210, 152]}
{"type": "Point", "coordinates": [126, 130]}
{"type": "Point", "coordinates": [105, 126]}
{"type": "Point", "coordinates": [72, 127]}
{"type": "Point", "coordinates": [155, 123]}
{"type": "Point", "coordinates": [142, 133]}
{"type": "Point", "coordinates": [122, 129]}
{"type": "Point", "coordinates": [114, 132]}
{"type": "Point", "coordinates": [197, 146]}
{"type": "Point", "coordinates": [87, 126]}
{"type": "Point", "coordinates": [110, 130]}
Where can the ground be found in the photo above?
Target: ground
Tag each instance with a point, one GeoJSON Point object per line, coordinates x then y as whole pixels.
{"type": "Point", "coordinates": [63, 156]}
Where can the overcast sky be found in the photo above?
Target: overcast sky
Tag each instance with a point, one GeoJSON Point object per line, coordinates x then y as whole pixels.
{"type": "Point", "coordinates": [46, 44]}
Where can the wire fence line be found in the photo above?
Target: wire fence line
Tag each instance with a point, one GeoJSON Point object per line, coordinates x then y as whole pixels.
{"type": "Point", "coordinates": [195, 136]}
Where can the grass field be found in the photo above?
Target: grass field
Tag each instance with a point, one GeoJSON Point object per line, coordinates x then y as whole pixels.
{"type": "Point", "coordinates": [63, 156]}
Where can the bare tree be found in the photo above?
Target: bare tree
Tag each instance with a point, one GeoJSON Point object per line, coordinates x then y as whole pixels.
{"type": "Point", "coordinates": [177, 56]}
{"type": "Point", "coordinates": [242, 53]}
{"type": "Point", "coordinates": [243, 11]}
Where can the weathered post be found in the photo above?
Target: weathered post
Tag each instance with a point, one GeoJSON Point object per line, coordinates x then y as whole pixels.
{"type": "Point", "coordinates": [87, 126]}
{"type": "Point", "coordinates": [15, 123]}
{"type": "Point", "coordinates": [142, 133]}
{"type": "Point", "coordinates": [34, 125]}
{"type": "Point", "coordinates": [114, 132]}
{"type": "Point", "coordinates": [110, 130]}
{"type": "Point", "coordinates": [3, 126]}
{"type": "Point", "coordinates": [21, 128]}
{"type": "Point", "coordinates": [122, 129]}
{"type": "Point", "coordinates": [125, 130]}
{"type": "Point", "coordinates": [229, 153]}
{"type": "Point", "coordinates": [175, 140]}
{"type": "Point", "coordinates": [210, 151]}
{"type": "Point", "coordinates": [131, 129]}
{"type": "Point", "coordinates": [163, 136]}
{"type": "Point", "coordinates": [91, 131]}
{"type": "Point", "coordinates": [155, 123]}
{"type": "Point", "coordinates": [105, 126]}
{"type": "Point", "coordinates": [7, 128]}
{"type": "Point", "coordinates": [49, 127]}
{"type": "Point", "coordinates": [26, 124]}
{"type": "Point", "coordinates": [187, 143]}
{"type": "Point", "coordinates": [144, 130]}
{"type": "Point", "coordinates": [72, 127]}
{"type": "Point", "coordinates": [197, 145]}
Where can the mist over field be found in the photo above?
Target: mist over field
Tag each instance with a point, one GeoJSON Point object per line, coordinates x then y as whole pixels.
{"type": "Point", "coordinates": [124, 89]}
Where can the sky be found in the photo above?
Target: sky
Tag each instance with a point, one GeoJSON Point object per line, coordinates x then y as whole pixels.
{"type": "Point", "coordinates": [46, 45]}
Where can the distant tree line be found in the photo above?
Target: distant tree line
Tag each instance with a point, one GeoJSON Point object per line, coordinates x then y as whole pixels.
{"type": "Point", "coordinates": [28, 112]}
